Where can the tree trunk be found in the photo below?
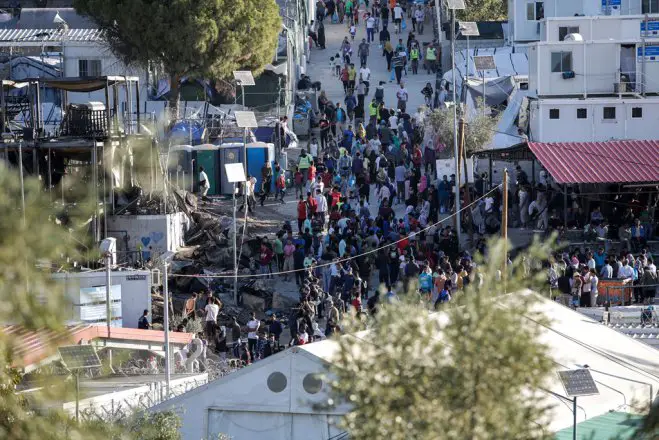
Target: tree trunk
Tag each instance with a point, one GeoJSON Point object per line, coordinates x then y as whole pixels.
{"type": "Point", "coordinates": [174, 96]}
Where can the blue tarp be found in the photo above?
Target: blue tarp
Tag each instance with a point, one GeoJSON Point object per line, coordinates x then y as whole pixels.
{"type": "Point", "coordinates": [182, 130]}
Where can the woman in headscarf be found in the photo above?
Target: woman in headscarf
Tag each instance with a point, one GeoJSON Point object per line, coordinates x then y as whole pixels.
{"type": "Point", "coordinates": [388, 52]}
{"type": "Point", "coordinates": [361, 131]}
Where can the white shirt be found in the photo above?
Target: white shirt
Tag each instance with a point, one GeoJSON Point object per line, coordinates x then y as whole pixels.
{"type": "Point", "coordinates": [365, 74]}
{"type": "Point", "coordinates": [204, 178]}
{"type": "Point", "coordinates": [626, 272]}
{"type": "Point", "coordinates": [393, 121]}
{"type": "Point", "coordinates": [402, 94]}
{"type": "Point", "coordinates": [384, 193]}
{"type": "Point", "coordinates": [398, 12]}
{"type": "Point", "coordinates": [418, 15]}
{"type": "Point", "coordinates": [250, 186]}
{"type": "Point", "coordinates": [322, 203]}
{"type": "Point", "coordinates": [313, 149]}
{"type": "Point", "coordinates": [370, 23]}
{"type": "Point", "coordinates": [211, 312]}
{"type": "Point", "coordinates": [252, 327]}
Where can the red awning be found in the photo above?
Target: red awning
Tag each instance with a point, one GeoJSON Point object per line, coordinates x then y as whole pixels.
{"type": "Point", "coordinates": [600, 162]}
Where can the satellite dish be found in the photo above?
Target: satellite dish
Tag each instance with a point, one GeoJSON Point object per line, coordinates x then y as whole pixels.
{"type": "Point", "coordinates": [573, 37]}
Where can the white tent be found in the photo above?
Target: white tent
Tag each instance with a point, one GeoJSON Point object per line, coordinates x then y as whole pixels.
{"type": "Point", "coordinates": [244, 406]}
{"type": "Point", "coordinates": [274, 398]}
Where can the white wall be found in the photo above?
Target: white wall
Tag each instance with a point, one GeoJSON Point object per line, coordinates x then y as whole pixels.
{"type": "Point", "coordinates": [622, 28]}
{"type": "Point", "coordinates": [594, 128]}
{"type": "Point", "coordinates": [162, 233]}
{"type": "Point", "coordinates": [596, 66]}
{"type": "Point", "coordinates": [525, 30]}
{"type": "Point", "coordinates": [135, 290]}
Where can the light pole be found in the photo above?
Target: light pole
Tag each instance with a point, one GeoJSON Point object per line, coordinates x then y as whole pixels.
{"type": "Point", "coordinates": [165, 291]}
{"type": "Point", "coordinates": [108, 249]}
{"type": "Point", "coordinates": [453, 5]}
{"type": "Point", "coordinates": [235, 174]}
{"type": "Point", "coordinates": [244, 78]}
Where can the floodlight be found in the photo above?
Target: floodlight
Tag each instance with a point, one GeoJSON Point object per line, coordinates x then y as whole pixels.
{"type": "Point", "coordinates": [456, 4]}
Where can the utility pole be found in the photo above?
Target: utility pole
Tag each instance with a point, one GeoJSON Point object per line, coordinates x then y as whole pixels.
{"type": "Point", "coordinates": [165, 289]}
{"type": "Point", "coordinates": [456, 153]}
{"type": "Point", "coordinates": [504, 228]}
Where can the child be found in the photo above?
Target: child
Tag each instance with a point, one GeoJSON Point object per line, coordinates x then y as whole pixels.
{"type": "Point", "coordinates": [353, 31]}
{"type": "Point", "coordinates": [333, 66]}
{"type": "Point", "coordinates": [337, 65]}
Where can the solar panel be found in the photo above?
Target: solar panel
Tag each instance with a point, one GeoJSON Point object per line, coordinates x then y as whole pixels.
{"type": "Point", "coordinates": [246, 119]}
{"type": "Point", "coordinates": [75, 357]}
{"type": "Point", "coordinates": [578, 382]}
{"type": "Point", "coordinates": [244, 77]}
{"type": "Point", "coordinates": [484, 62]}
{"type": "Point", "coordinates": [469, 28]}
{"type": "Point", "coordinates": [455, 4]}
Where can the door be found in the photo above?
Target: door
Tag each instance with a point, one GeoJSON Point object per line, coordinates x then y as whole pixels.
{"type": "Point", "coordinates": [628, 65]}
{"type": "Point", "coordinates": [207, 159]}
{"type": "Point", "coordinates": [228, 155]}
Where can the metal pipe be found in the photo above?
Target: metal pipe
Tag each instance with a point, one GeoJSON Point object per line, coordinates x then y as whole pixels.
{"type": "Point", "coordinates": [574, 415]}
{"type": "Point", "coordinates": [455, 130]}
{"type": "Point", "coordinates": [166, 328]}
{"type": "Point", "coordinates": [77, 375]}
{"type": "Point", "coordinates": [235, 249]}
{"type": "Point", "coordinates": [643, 63]}
{"type": "Point", "coordinates": [108, 287]}
{"type": "Point", "coordinates": [20, 172]}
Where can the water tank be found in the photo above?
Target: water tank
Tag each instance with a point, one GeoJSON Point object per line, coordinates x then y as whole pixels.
{"type": "Point", "coordinates": [573, 37]}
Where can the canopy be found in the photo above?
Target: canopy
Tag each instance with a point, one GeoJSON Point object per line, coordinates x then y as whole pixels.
{"type": "Point", "coordinates": [600, 162]}
{"type": "Point", "coordinates": [86, 84]}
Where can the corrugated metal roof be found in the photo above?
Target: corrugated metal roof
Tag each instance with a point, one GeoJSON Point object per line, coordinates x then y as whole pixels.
{"type": "Point", "coordinates": [599, 162]}
{"type": "Point", "coordinates": [32, 346]}
{"type": "Point", "coordinates": [42, 18]}
{"type": "Point", "coordinates": [613, 425]}
{"type": "Point", "coordinates": [47, 35]}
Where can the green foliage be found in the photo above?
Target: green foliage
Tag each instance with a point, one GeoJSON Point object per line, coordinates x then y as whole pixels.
{"type": "Point", "coordinates": [484, 10]}
{"type": "Point", "coordinates": [478, 132]}
{"type": "Point", "coordinates": [30, 298]}
{"type": "Point", "coordinates": [649, 430]}
{"type": "Point", "coordinates": [202, 38]}
{"type": "Point", "coordinates": [474, 371]}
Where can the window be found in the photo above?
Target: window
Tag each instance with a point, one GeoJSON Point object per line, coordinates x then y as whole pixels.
{"type": "Point", "coordinates": [637, 112]}
{"type": "Point", "coordinates": [88, 68]}
{"type": "Point", "coordinates": [649, 6]}
{"type": "Point", "coordinates": [535, 11]}
{"type": "Point", "coordinates": [609, 113]}
{"type": "Point", "coordinates": [564, 30]}
{"type": "Point", "coordinates": [561, 62]}
{"type": "Point", "coordinates": [554, 113]}
{"type": "Point", "coordinates": [582, 113]}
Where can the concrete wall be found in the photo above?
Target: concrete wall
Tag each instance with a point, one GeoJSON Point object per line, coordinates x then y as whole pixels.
{"type": "Point", "coordinates": [594, 128]}
{"type": "Point", "coordinates": [161, 233]}
{"type": "Point", "coordinates": [135, 291]}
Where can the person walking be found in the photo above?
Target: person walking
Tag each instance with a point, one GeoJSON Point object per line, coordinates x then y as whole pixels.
{"type": "Point", "coordinates": [365, 76]}
{"type": "Point", "coordinates": [388, 52]}
{"type": "Point", "coordinates": [249, 186]}
{"type": "Point", "coordinates": [402, 96]}
{"type": "Point", "coordinates": [414, 59]}
{"type": "Point", "coordinates": [427, 93]}
{"type": "Point", "coordinates": [398, 18]}
{"type": "Point", "coordinates": [363, 52]}
{"type": "Point", "coordinates": [370, 28]}
{"type": "Point", "coordinates": [204, 184]}
{"type": "Point", "coordinates": [266, 181]}
{"type": "Point", "coordinates": [398, 62]}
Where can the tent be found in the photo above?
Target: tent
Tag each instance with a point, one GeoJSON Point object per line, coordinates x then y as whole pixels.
{"type": "Point", "coordinates": [273, 398]}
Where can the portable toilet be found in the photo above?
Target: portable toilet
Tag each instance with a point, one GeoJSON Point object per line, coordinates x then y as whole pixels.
{"type": "Point", "coordinates": [208, 157]}
{"type": "Point", "coordinates": [257, 154]}
{"type": "Point", "coordinates": [229, 153]}
{"type": "Point", "coordinates": [180, 166]}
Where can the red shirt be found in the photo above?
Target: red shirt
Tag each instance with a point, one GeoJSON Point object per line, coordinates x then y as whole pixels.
{"type": "Point", "coordinates": [336, 198]}
{"type": "Point", "coordinates": [313, 205]}
{"type": "Point", "coordinates": [301, 210]}
{"type": "Point", "coordinates": [327, 179]}
{"type": "Point", "coordinates": [312, 173]}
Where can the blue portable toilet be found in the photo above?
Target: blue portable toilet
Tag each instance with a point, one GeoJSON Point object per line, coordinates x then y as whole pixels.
{"type": "Point", "coordinates": [229, 153]}
{"type": "Point", "coordinates": [180, 166]}
{"type": "Point", "coordinates": [208, 157]}
{"type": "Point", "coordinates": [257, 154]}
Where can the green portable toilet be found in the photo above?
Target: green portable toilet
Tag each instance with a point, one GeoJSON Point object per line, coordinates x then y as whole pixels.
{"type": "Point", "coordinates": [208, 157]}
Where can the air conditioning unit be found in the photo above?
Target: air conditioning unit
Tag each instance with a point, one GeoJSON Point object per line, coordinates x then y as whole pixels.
{"type": "Point", "coordinates": [568, 74]}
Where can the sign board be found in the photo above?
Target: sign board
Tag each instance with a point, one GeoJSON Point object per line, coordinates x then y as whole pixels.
{"type": "Point", "coordinates": [93, 308]}
{"type": "Point", "coordinates": [651, 54]}
{"type": "Point", "coordinates": [578, 382]}
{"type": "Point", "coordinates": [235, 172]}
{"type": "Point", "coordinates": [458, 4]}
{"type": "Point", "coordinates": [652, 30]}
{"type": "Point", "coordinates": [606, 3]}
{"type": "Point", "coordinates": [484, 62]}
{"type": "Point", "coordinates": [446, 167]}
